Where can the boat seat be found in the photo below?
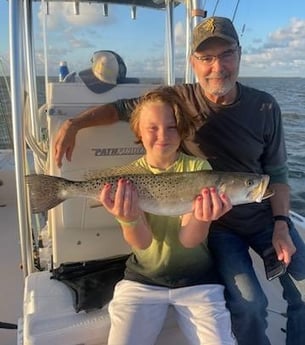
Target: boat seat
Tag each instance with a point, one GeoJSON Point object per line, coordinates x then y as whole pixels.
{"type": "Point", "coordinates": [80, 232]}
{"type": "Point", "coordinates": [130, 80]}
{"type": "Point", "coordinates": [49, 317]}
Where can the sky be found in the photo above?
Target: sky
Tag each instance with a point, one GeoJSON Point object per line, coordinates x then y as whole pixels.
{"type": "Point", "coordinates": [272, 36]}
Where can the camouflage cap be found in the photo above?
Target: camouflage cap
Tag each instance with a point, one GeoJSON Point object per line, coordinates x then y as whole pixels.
{"type": "Point", "coordinates": [220, 27]}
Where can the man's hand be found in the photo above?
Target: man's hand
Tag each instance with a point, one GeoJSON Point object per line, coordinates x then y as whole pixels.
{"type": "Point", "coordinates": [282, 242]}
{"type": "Point", "coordinates": [65, 142]}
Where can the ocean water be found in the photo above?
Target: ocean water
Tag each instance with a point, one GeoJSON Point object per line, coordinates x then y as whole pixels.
{"type": "Point", "coordinates": [290, 94]}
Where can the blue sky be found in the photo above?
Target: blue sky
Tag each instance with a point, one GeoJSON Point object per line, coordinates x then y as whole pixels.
{"type": "Point", "coordinates": [272, 36]}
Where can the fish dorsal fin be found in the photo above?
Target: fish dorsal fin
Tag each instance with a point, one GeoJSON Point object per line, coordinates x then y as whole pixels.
{"type": "Point", "coordinates": [121, 170]}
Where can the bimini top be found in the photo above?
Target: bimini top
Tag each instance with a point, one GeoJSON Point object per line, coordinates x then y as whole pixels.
{"type": "Point", "coordinates": [157, 4]}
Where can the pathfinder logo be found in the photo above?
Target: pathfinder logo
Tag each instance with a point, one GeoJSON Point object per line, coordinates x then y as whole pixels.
{"type": "Point", "coordinates": [118, 151]}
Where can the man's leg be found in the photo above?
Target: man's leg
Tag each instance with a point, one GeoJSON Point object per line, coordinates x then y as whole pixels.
{"type": "Point", "coordinates": [244, 295]}
{"type": "Point", "coordinates": [293, 283]}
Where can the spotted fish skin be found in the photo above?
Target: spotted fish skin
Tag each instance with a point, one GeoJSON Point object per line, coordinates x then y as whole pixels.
{"type": "Point", "coordinates": [168, 194]}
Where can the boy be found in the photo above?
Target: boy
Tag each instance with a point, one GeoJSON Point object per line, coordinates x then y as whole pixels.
{"type": "Point", "coordinates": [170, 264]}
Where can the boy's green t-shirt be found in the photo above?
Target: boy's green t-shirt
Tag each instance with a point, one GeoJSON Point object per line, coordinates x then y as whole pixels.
{"type": "Point", "coordinates": [166, 262]}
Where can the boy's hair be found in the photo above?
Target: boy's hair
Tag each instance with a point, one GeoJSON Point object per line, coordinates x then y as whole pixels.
{"type": "Point", "coordinates": [166, 95]}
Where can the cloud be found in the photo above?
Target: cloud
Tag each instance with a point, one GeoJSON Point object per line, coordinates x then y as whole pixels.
{"type": "Point", "coordinates": [70, 36]}
{"type": "Point", "coordinates": [66, 29]}
{"type": "Point", "coordinates": [295, 30]}
{"type": "Point", "coordinates": [62, 15]}
{"type": "Point", "coordinates": [179, 34]}
{"type": "Point", "coordinates": [150, 66]}
{"type": "Point", "coordinates": [282, 53]}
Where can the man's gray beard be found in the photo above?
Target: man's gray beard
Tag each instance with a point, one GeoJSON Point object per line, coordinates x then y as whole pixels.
{"type": "Point", "coordinates": [220, 92]}
{"type": "Point", "coordinates": [225, 89]}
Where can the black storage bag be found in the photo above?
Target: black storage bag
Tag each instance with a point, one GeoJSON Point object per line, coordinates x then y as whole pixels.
{"type": "Point", "coordinates": [93, 281]}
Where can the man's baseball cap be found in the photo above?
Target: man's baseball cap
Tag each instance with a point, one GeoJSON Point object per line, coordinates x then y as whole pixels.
{"type": "Point", "coordinates": [108, 69]}
{"type": "Point", "coordinates": [219, 27]}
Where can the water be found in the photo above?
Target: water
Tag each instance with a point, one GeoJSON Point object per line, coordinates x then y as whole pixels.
{"type": "Point", "coordinates": [290, 94]}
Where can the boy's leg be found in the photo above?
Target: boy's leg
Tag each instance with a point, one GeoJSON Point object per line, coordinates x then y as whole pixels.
{"type": "Point", "coordinates": [137, 313]}
{"type": "Point", "coordinates": [202, 315]}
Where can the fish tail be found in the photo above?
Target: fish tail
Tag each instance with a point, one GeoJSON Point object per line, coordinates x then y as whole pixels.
{"type": "Point", "coordinates": [45, 191]}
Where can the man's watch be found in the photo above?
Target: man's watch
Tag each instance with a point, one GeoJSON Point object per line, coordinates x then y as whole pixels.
{"type": "Point", "coordinates": [283, 218]}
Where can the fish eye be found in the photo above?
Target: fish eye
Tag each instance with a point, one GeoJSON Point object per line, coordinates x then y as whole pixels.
{"type": "Point", "coordinates": [249, 182]}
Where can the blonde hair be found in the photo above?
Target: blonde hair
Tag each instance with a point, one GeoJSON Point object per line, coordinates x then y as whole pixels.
{"type": "Point", "coordinates": [165, 95]}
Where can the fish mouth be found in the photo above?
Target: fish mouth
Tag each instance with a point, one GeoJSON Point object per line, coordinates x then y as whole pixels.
{"type": "Point", "coordinates": [263, 192]}
{"type": "Point", "coordinates": [268, 193]}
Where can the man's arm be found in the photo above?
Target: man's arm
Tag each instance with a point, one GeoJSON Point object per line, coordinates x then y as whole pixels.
{"type": "Point", "coordinates": [65, 138]}
{"type": "Point", "coordinates": [281, 240]}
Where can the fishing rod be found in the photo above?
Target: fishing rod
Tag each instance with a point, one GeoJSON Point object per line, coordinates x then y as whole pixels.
{"type": "Point", "coordinates": [235, 10]}
{"type": "Point", "coordinates": [215, 7]}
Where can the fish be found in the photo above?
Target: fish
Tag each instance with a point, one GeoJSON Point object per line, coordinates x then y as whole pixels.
{"type": "Point", "coordinates": [165, 194]}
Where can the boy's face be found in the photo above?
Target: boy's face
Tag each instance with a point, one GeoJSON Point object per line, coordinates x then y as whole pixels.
{"type": "Point", "coordinates": [158, 132]}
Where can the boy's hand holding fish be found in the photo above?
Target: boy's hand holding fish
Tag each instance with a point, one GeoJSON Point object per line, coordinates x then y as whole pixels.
{"type": "Point", "coordinates": [207, 206]}
{"type": "Point", "coordinates": [124, 205]}
{"type": "Point", "coordinates": [210, 205]}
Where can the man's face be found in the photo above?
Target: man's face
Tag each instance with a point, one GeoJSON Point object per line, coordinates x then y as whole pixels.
{"type": "Point", "coordinates": [216, 66]}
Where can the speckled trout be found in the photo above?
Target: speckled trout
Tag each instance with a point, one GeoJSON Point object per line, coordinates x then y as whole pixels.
{"type": "Point", "coordinates": [168, 194]}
